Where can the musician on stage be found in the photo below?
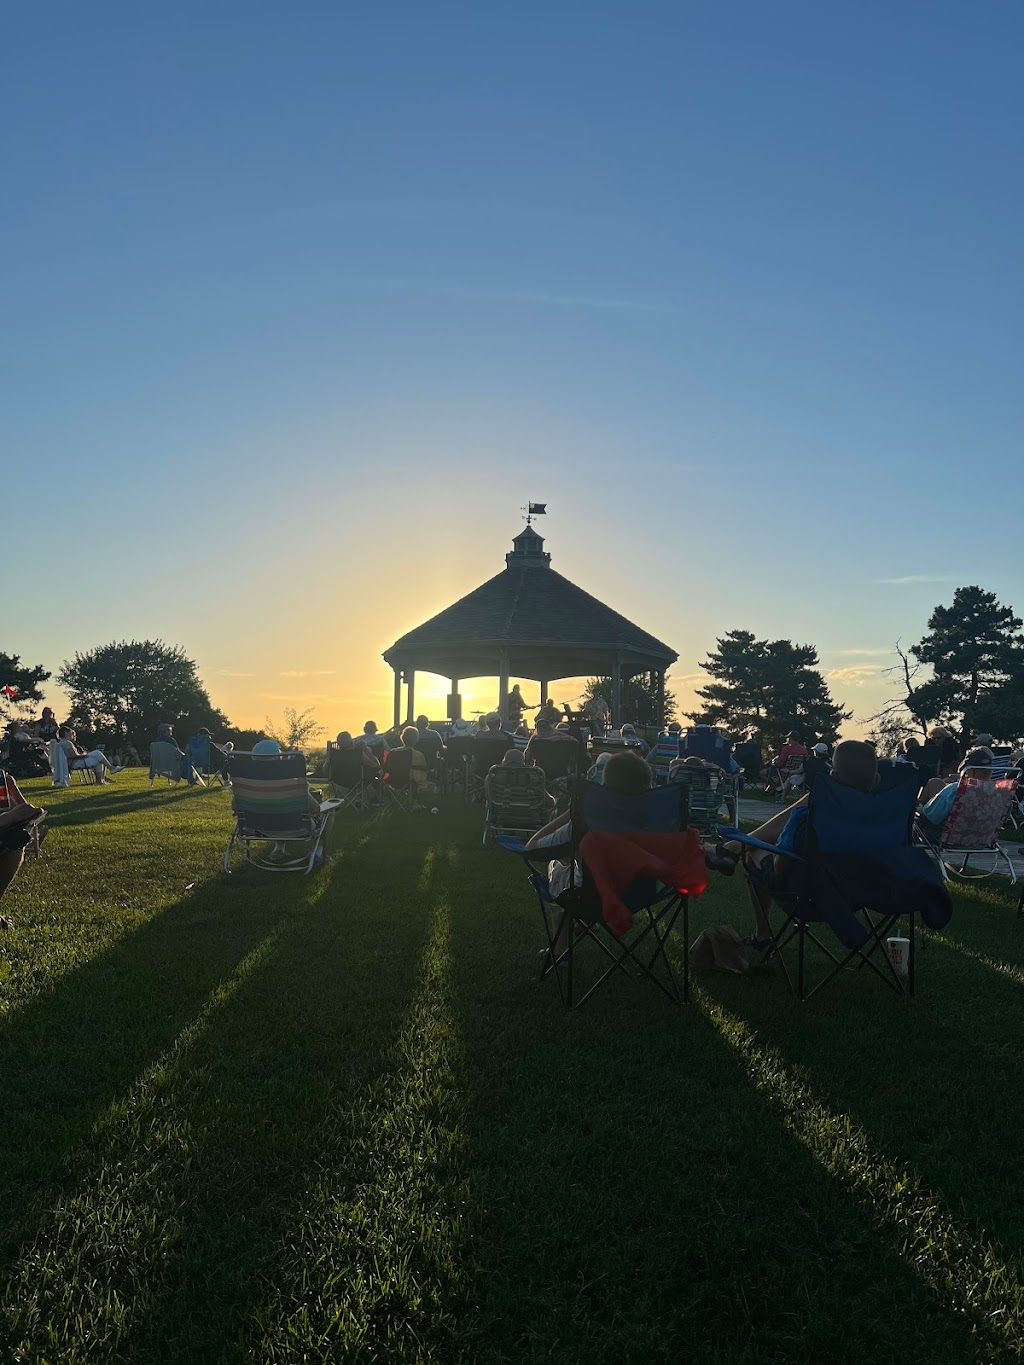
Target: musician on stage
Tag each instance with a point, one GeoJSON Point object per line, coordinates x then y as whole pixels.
{"type": "Point", "coordinates": [548, 713]}
{"type": "Point", "coordinates": [516, 707]}
{"type": "Point", "coordinates": [598, 713]}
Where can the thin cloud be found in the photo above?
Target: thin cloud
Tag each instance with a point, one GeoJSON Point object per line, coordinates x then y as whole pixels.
{"type": "Point", "coordinates": [855, 676]}
{"type": "Point", "coordinates": [848, 653]}
{"type": "Point", "coordinates": [306, 673]}
{"type": "Point", "coordinates": [911, 578]}
{"type": "Point", "coordinates": [227, 673]}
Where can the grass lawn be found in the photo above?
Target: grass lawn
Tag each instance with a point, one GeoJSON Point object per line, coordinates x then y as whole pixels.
{"type": "Point", "coordinates": [266, 1118]}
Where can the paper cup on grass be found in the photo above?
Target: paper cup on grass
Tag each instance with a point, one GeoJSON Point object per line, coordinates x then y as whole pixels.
{"type": "Point", "coordinates": [899, 954]}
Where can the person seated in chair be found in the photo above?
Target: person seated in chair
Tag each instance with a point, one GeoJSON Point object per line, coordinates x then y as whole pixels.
{"type": "Point", "coordinates": [46, 727]}
{"type": "Point", "coordinates": [630, 736]}
{"type": "Point", "coordinates": [626, 773]}
{"type": "Point", "coordinates": [490, 725]}
{"type": "Point", "coordinates": [938, 795]}
{"type": "Point", "coordinates": [546, 731]}
{"type": "Point", "coordinates": [514, 758]}
{"type": "Point", "coordinates": [96, 761]}
{"type": "Point", "coordinates": [748, 755]}
{"type": "Point", "coordinates": [271, 748]}
{"type": "Point", "coordinates": [15, 837]}
{"type": "Point", "coordinates": [374, 742]}
{"type": "Point", "coordinates": [165, 735]}
{"type": "Point", "coordinates": [854, 764]}
{"type": "Point", "coordinates": [950, 752]}
{"type": "Point", "coordinates": [369, 761]}
{"type": "Point", "coordinates": [430, 745]}
{"type": "Point", "coordinates": [418, 771]}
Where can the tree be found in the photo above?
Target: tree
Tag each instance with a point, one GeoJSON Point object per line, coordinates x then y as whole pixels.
{"type": "Point", "coordinates": [903, 712]}
{"type": "Point", "coordinates": [888, 733]}
{"type": "Point", "coordinates": [298, 728]}
{"type": "Point", "coordinates": [130, 687]}
{"type": "Point", "coordinates": [639, 699]}
{"type": "Point", "coordinates": [771, 686]}
{"type": "Point", "coordinates": [976, 652]}
{"type": "Point", "coordinates": [26, 679]}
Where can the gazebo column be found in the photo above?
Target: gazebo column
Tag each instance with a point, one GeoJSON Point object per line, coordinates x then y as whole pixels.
{"type": "Point", "coordinates": [543, 690]}
{"type": "Point", "coordinates": [398, 697]}
{"type": "Point", "coordinates": [410, 678]}
{"type": "Point", "coordinates": [503, 684]}
{"type": "Point", "coordinates": [659, 698]}
{"type": "Point", "coordinates": [455, 703]}
{"type": "Point", "coordinates": [616, 691]}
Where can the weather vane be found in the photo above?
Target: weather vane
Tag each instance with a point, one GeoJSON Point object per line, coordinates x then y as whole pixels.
{"type": "Point", "coordinates": [534, 509]}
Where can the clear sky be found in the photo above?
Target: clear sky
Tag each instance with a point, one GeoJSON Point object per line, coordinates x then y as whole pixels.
{"type": "Point", "coordinates": [301, 303]}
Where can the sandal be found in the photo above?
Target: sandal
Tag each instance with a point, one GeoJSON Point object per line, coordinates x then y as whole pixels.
{"type": "Point", "coordinates": [720, 859]}
{"type": "Point", "coordinates": [760, 945]}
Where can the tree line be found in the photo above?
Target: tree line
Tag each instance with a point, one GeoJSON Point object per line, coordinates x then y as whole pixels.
{"type": "Point", "coordinates": [122, 689]}
{"type": "Point", "coordinates": [967, 672]}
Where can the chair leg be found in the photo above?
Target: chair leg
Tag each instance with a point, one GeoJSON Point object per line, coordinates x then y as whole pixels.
{"type": "Point", "coordinates": [801, 935]}
{"type": "Point", "coordinates": [568, 960]}
{"type": "Point", "coordinates": [686, 949]}
{"type": "Point", "coordinates": [911, 965]}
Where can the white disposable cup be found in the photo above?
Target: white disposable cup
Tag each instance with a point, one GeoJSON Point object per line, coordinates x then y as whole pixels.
{"type": "Point", "coordinates": [899, 954]}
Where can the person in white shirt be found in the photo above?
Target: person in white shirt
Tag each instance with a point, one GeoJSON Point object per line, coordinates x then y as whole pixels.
{"type": "Point", "coordinates": [96, 761]}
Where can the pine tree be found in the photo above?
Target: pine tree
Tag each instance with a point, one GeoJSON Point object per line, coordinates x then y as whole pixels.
{"type": "Point", "coordinates": [25, 680]}
{"type": "Point", "coordinates": [770, 686]}
{"type": "Point", "coordinates": [976, 652]}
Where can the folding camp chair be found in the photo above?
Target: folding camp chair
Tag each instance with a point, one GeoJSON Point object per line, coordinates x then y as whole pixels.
{"type": "Point", "coordinates": [640, 844]}
{"type": "Point", "coordinates": [560, 760]}
{"type": "Point", "coordinates": [778, 779]}
{"type": "Point", "coordinates": [858, 875]}
{"type": "Point", "coordinates": [484, 752]}
{"type": "Point", "coordinates": [352, 783]}
{"type": "Point", "coordinates": [270, 799]}
{"type": "Point", "coordinates": [664, 753]}
{"type": "Point", "coordinates": [164, 761]}
{"type": "Point", "coordinates": [708, 743]}
{"type": "Point", "coordinates": [980, 809]}
{"type": "Point", "coordinates": [516, 801]}
{"type": "Point", "coordinates": [11, 798]}
{"type": "Point", "coordinates": [704, 787]}
{"type": "Point", "coordinates": [398, 790]}
{"type": "Point", "coordinates": [206, 759]}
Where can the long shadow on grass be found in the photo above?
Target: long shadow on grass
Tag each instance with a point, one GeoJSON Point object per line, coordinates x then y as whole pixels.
{"type": "Point", "coordinates": [248, 1187]}
{"type": "Point", "coordinates": [644, 1200]}
{"type": "Point", "coordinates": [70, 1053]}
{"type": "Point", "coordinates": [86, 810]}
{"type": "Point", "coordinates": [933, 1081]}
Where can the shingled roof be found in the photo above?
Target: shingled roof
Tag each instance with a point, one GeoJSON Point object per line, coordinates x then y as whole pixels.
{"type": "Point", "coordinates": [548, 626]}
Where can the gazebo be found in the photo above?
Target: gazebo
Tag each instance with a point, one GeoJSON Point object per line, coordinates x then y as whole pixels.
{"type": "Point", "coordinates": [526, 622]}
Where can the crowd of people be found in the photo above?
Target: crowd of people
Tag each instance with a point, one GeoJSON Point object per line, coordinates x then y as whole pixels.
{"type": "Point", "coordinates": [625, 763]}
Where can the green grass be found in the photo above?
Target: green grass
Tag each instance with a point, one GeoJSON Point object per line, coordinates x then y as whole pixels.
{"type": "Point", "coordinates": [274, 1119]}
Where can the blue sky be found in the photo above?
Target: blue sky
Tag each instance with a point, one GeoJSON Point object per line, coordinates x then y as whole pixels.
{"type": "Point", "coordinates": [736, 288]}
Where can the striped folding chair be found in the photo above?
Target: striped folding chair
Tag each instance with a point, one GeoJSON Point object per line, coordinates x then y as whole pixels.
{"type": "Point", "coordinates": [271, 803]}
{"type": "Point", "coordinates": [516, 801]}
{"type": "Point", "coordinates": [980, 809]}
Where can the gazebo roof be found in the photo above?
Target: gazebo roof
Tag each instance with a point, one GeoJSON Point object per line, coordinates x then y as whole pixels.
{"type": "Point", "coordinates": [548, 626]}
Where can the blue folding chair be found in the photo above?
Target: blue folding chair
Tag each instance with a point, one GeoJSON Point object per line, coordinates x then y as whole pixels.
{"type": "Point", "coordinates": [858, 875]}
{"type": "Point", "coordinates": [575, 914]}
{"type": "Point", "coordinates": [207, 762]}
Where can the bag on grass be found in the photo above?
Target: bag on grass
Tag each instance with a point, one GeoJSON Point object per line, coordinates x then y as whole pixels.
{"type": "Point", "coordinates": [719, 950]}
